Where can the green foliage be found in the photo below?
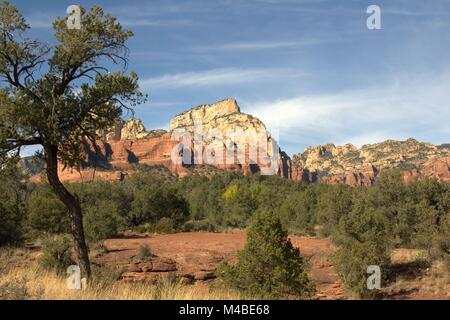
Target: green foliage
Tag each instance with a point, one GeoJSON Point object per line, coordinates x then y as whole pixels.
{"type": "Point", "coordinates": [269, 266]}
{"type": "Point", "coordinates": [364, 223]}
{"type": "Point", "coordinates": [60, 96]}
{"type": "Point", "coordinates": [102, 220]}
{"type": "Point", "coordinates": [298, 212]}
{"type": "Point", "coordinates": [154, 199]}
{"type": "Point", "coordinates": [162, 226]}
{"type": "Point", "coordinates": [198, 225]}
{"type": "Point", "coordinates": [363, 240]}
{"type": "Point", "coordinates": [46, 213]}
{"type": "Point", "coordinates": [56, 254]}
{"type": "Point", "coordinates": [333, 202]}
{"type": "Point", "coordinates": [12, 211]}
{"type": "Point", "coordinates": [239, 202]}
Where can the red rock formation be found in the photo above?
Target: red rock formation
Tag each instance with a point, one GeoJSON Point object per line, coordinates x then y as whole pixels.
{"type": "Point", "coordinates": [129, 144]}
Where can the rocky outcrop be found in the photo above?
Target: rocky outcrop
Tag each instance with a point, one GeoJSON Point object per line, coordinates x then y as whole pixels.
{"type": "Point", "coordinates": [205, 114]}
{"type": "Point", "coordinates": [221, 135]}
{"type": "Point", "coordinates": [132, 129]}
{"type": "Point", "coordinates": [350, 165]}
{"type": "Point", "coordinates": [217, 135]}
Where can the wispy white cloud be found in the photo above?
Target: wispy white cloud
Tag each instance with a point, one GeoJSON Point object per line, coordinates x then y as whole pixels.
{"type": "Point", "coordinates": [398, 110]}
{"type": "Point", "coordinates": [131, 16]}
{"type": "Point", "coordinates": [215, 77]}
{"type": "Point", "coordinates": [151, 22]}
{"type": "Point", "coordinates": [260, 45]}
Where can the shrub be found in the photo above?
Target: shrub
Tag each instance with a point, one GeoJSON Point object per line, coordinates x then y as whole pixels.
{"type": "Point", "coordinates": [10, 225]}
{"type": "Point", "coordinates": [154, 199]}
{"type": "Point", "coordinates": [104, 276]}
{"type": "Point", "coordinates": [56, 254]}
{"type": "Point", "coordinates": [333, 202]}
{"type": "Point", "coordinates": [102, 221]}
{"type": "Point", "coordinates": [269, 266]}
{"type": "Point", "coordinates": [198, 225]}
{"type": "Point", "coordinates": [144, 252]}
{"type": "Point", "coordinates": [297, 212]}
{"type": "Point", "coordinates": [163, 226]}
{"type": "Point", "coordinates": [363, 240]}
{"type": "Point", "coordinates": [12, 194]}
{"type": "Point", "coordinates": [46, 213]}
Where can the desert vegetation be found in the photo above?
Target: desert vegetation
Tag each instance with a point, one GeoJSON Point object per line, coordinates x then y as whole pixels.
{"type": "Point", "coordinates": [365, 224]}
{"type": "Point", "coordinates": [60, 97]}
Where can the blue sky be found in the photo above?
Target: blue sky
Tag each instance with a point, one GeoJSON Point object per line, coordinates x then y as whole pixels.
{"type": "Point", "coordinates": [310, 69]}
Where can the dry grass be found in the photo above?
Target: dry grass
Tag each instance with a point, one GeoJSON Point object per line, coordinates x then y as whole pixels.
{"type": "Point", "coordinates": [32, 283]}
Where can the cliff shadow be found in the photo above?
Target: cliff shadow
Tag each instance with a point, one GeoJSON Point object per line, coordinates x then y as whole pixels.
{"type": "Point", "coordinates": [96, 158]}
{"type": "Point", "coordinates": [286, 165]}
{"type": "Point", "coordinates": [132, 158]}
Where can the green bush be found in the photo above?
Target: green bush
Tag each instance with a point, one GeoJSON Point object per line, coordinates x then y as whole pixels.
{"type": "Point", "coordinates": [154, 199]}
{"type": "Point", "coordinates": [10, 224]}
{"type": "Point", "coordinates": [56, 254]}
{"type": "Point", "coordinates": [12, 211]}
{"type": "Point", "coordinates": [163, 226]}
{"type": "Point", "coordinates": [269, 266]}
{"type": "Point", "coordinates": [363, 240]}
{"type": "Point", "coordinates": [102, 220]}
{"type": "Point", "coordinates": [297, 212]}
{"type": "Point", "coordinates": [198, 225]}
{"type": "Point", "coordinates": [46, 213]}
{"type": "Point", "coordinates": [333, 202]}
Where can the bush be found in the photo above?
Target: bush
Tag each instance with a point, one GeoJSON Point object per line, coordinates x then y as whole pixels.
{"type": "Point", "coordinates": [10, 224]}
{"type": "Point", "coordinates": [269, 266]}
{"type": "Point", "coordinates": [144, 252]}
{"type": "Point", "coordinates": [198, 225]}
{"type": "Point", "coordinates": [163, 226]}
{"type": "Point", "coordinates": [102, 221]}
{"type": "Point", "coordinates": [297, 212]}
{"type": "Point", "coordinates": [12, 194]}
{"type": "Point", "coordinates": [46, 213]}
{"type": "Point", "coordinates": [103, 276]}
{"type": "Point", "coordinates": [333, 202]}
{"type": "Point", "coordinates": [351, 264]}
{"type": "Point", "coordinates": [56, 254]}
{"type": "Point", "coordinates": [154, 199]}
{"type": "Point", "coordinates": [363, 240]}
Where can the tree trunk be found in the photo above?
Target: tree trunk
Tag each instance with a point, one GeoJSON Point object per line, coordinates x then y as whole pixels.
{"type": "Point", "coordinates": [73, 205]}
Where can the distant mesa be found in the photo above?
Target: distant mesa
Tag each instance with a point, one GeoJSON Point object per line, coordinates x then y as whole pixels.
{"type": "Point", "coordinates": [218, 136]}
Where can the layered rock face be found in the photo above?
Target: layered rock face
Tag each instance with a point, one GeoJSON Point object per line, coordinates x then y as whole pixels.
{"type": "Point", "coordinates": [353, 166]}
{"type": "Point", "coordinates": [221, 135]}
{"type": "Point", "coordinates": [217, 134]}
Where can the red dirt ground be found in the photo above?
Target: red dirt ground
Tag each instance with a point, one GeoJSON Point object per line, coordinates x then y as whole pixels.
{"type": "Point", "coordinates": [203, 251]}
{"type": "Point", "coordinates": [195, 251]}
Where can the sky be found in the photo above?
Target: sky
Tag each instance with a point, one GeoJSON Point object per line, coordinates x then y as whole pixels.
{"type": "Point", "coordinates": [311, 70]}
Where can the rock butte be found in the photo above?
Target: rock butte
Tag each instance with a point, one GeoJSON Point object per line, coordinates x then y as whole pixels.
{"type": "Point", "coordinates": [129, 144]}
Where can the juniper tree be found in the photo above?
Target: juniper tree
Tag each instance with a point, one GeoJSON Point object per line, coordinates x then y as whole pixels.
{"type": "Point", "coordinates": [269, 266]}
{"type": "Point", "coordinates": [60, 96]}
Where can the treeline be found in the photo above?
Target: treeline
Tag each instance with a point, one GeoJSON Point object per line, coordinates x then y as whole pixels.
{"type": "Point", "coordinates": [364, 223]}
